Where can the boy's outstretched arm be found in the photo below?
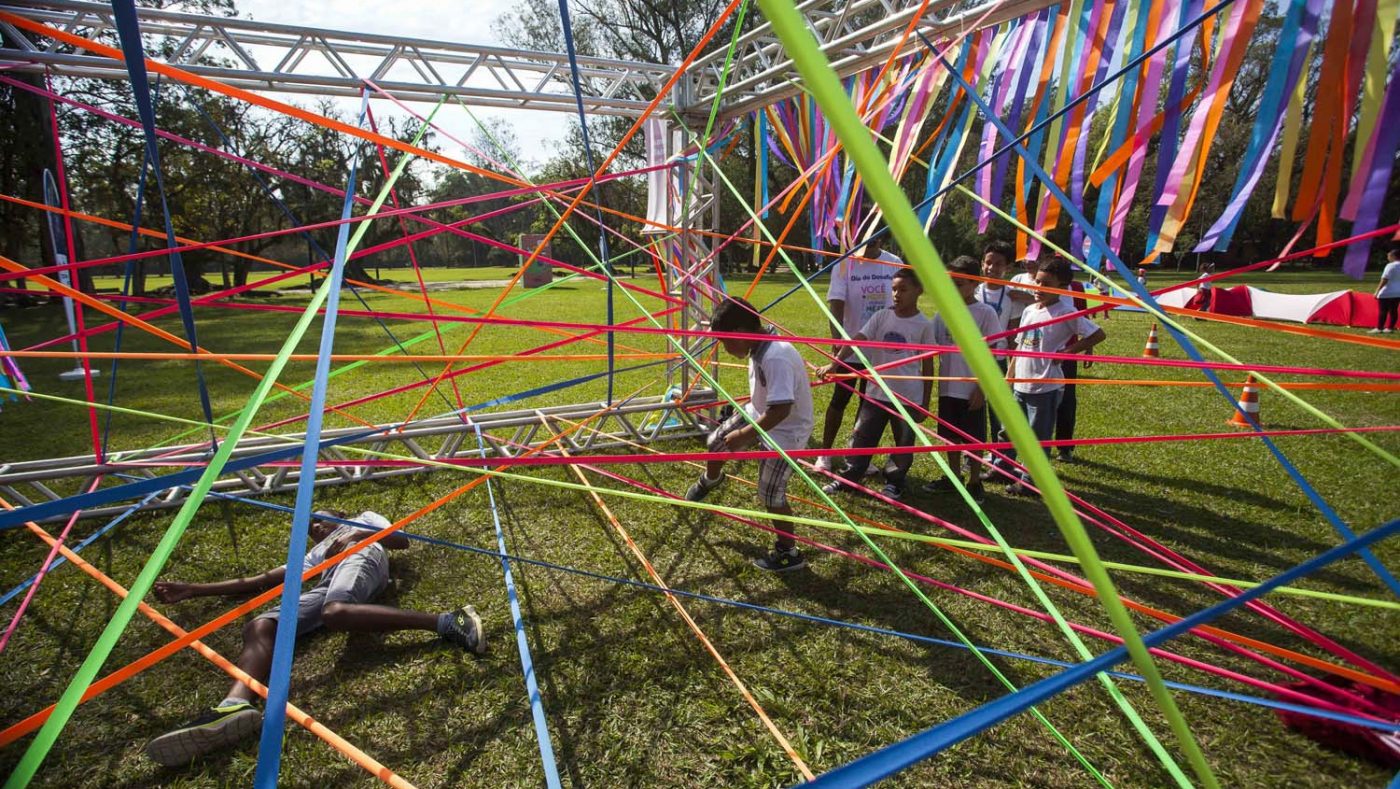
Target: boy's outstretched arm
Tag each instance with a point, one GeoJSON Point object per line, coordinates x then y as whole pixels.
{"type": "Point", "coordinates": [175, 591]}
{"type": "Point", "coordinates": [1085, 343]}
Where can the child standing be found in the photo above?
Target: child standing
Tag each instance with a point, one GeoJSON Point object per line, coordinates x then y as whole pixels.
{"type": "Point", "coordinates": [1040, 396]}
{"type": "Point", "coordinates": [780, 402]}
{"type": "Point", "coordinates": [904, 324]}
{"type": "Point", "coordinates": [996, 264]}
{"type": "Point", "coordinates": [961, 404]}
{"type": "Point", "coordinates": [859, 288]}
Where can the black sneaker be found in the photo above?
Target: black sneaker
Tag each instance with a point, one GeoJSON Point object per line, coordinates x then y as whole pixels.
{"type": "Point", "coordinates": [940, 486]}
{"type": "Point", "coordinates": [834, 487]}
{"type": "Point", "coordinates": [1019, 489]}
{"type": "Point", "coordinates": [978, 493]}
{"type": "Point", "coordinates": [1066, 456]}
{"type": "Point", "coordinates": [702, 488]}
{"type": "Point", "coordinates": [465, 631]}
{"type": "Point", "coordinates": [781, 561]}
{"type": "Point", "coordinates": [218, 728]}
{"type": "Point", "coordinates": [892, 491]}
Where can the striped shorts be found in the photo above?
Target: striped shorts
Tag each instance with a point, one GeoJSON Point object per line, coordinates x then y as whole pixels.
{"type": "Point", "coordinates": [773, 473]}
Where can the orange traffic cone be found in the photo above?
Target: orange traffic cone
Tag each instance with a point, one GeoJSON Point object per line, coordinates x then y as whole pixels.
{"type": "Point", "coordinates": [1249, 404]}
{"type": "Point", "coordinates": [1150, 351]}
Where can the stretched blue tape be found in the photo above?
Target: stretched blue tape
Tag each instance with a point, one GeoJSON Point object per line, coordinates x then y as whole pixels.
{"type": "Point", "coordinates": [893, 758]}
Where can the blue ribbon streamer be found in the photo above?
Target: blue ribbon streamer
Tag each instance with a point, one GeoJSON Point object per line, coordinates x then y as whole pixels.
{"type": "Point", "coordinates": [892, 758]}
{"type": "Point", "coordinates": [311, 241]}
{"type": "Point", "coordinates": [129, 31]}
{"type": "Point", "coordinates": [280, 675]}
{"type": "Point", "coordinates": [592, 178]}
{"type": "Point", "coordinates": [130, 269]}
{"type": "Point", "coordinates": [532, 688]}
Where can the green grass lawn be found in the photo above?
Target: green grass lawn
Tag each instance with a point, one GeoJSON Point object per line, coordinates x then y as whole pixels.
{"type": "Point", "coordinates": [632, 697]}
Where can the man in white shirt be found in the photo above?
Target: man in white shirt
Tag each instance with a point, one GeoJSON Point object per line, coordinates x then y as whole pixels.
{"type": "Point", "coordinates": [860, 287]}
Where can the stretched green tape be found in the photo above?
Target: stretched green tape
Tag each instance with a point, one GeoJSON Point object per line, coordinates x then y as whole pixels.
{"type": "Point", "coordinates": [826, 88]}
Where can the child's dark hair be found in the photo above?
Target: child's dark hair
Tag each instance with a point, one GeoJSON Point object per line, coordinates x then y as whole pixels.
{"type": "Point", "coordinates": [909, 274]}
{"type": "Point", "coordinates": [967, 264]}
{"type": "Point", "coordinates": [1003, 248]}
{"type": "Point", "coordinates": [734, 314]}
{"type": "Point", "coordinates": [1395, 252]}
{"type": "Point", "coordinates": [1058, 268]}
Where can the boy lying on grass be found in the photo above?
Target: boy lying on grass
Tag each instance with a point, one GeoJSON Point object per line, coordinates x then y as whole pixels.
{"type": "Point", "coordinates": [341, 601]}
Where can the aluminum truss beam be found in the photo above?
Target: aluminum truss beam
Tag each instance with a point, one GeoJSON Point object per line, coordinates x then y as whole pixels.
{"type": "Point", "coordinates": [264, 56]}
{"type": "Point", "coordinates": [506, 434]}
{"type": "Point", "coordinates": [854, 34]}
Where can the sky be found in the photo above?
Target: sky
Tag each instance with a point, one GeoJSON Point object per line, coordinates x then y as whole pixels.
{"type": "Point", "coordinates": [461, 21]}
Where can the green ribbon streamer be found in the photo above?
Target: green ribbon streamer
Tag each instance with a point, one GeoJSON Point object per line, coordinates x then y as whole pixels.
{"type": "Point", "coordinates": [825, 86]}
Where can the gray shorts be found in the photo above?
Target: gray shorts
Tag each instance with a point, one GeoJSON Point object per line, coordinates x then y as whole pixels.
{"type": "Point", "coordinates": [773, 473]}
{"type": "Point", "coordinates": [359, 578]}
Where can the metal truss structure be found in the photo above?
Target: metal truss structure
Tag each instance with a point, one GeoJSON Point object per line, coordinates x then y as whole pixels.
{"type": "Point", "coordinates": [854, 35]}
{"type": "Point", "coordinates": [259, 56]}
{"type": "Point", "coordinates": [263, 56]}
{"type": "Point", "coordinates": [504, 434]}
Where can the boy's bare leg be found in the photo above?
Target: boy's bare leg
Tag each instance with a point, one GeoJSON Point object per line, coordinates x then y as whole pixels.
{"type": "Point", "coordinates": [714, 468]}
{"type": "Point", "coordinates": [784, 541]}
{"type": "Point", "coordinates": [367, 618]}
{"type": "Point", "coordinates": [260, 634]}
{"type": "Point", "coordinates": [256, 657]}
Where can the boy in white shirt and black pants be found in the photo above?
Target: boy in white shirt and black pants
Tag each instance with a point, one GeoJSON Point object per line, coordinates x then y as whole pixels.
{"type": "Point", "coordinates": [1004, 301]}
{"type": "Point", "coordinates": [961, 404]}
{"type": "Point", "coordinates": [1040, 401]}
{"type": "Point", "coordinates": [903, 324]}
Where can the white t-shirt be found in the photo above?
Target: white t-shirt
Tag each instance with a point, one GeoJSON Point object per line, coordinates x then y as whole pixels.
{"type": "Point", "coordinates": [1000, 302]}
{"type": "Point", "coordinates": [1029, 279]}
{"type": "Point", "coordinates": [1391, 275]}
{"type": "Point", "coordinates": [953, 365]}
{"type": "Point", "coordinates": [374, 553]}
{"type": "Point", "coordinates": [1046, 339]}
{"type": "Point", "coordinates": [864, 287]}
{"type": "Point", "coordinates": [885, 326]}
{"type": "Point", "coordinates": [777, 375]}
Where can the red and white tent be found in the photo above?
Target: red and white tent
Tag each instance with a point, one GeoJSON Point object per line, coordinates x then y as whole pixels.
{"type": "Point", "coordinates": [1338, 308]}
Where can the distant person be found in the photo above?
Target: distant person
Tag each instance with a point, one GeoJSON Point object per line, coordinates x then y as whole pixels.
{"type": "Point", "coordinates": [1142, 277]}
{"type": "Point", "coordinates": [1023, 297]}
{"type": "Point", "coordinates": [996, 263]}
{"type": "Point", "coordinates": [961, 404]}
{"type": "Point", "coordinates": [1039, 390]}
{"type": "Point", "coordinates": [780, 402]}
{"type": "Point", "coordinates": [859, 289]}
{"type": "Point", "coordinates": [1066, 414]}
{"type": "Point", "coordinates": [1388, 295]}
{"type": "Point", "coordinates": [905, 325]}
{"type": "Point", "coordinates": [1205, 293]}
{"type": "Point", "coordinates": [339, 602]}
